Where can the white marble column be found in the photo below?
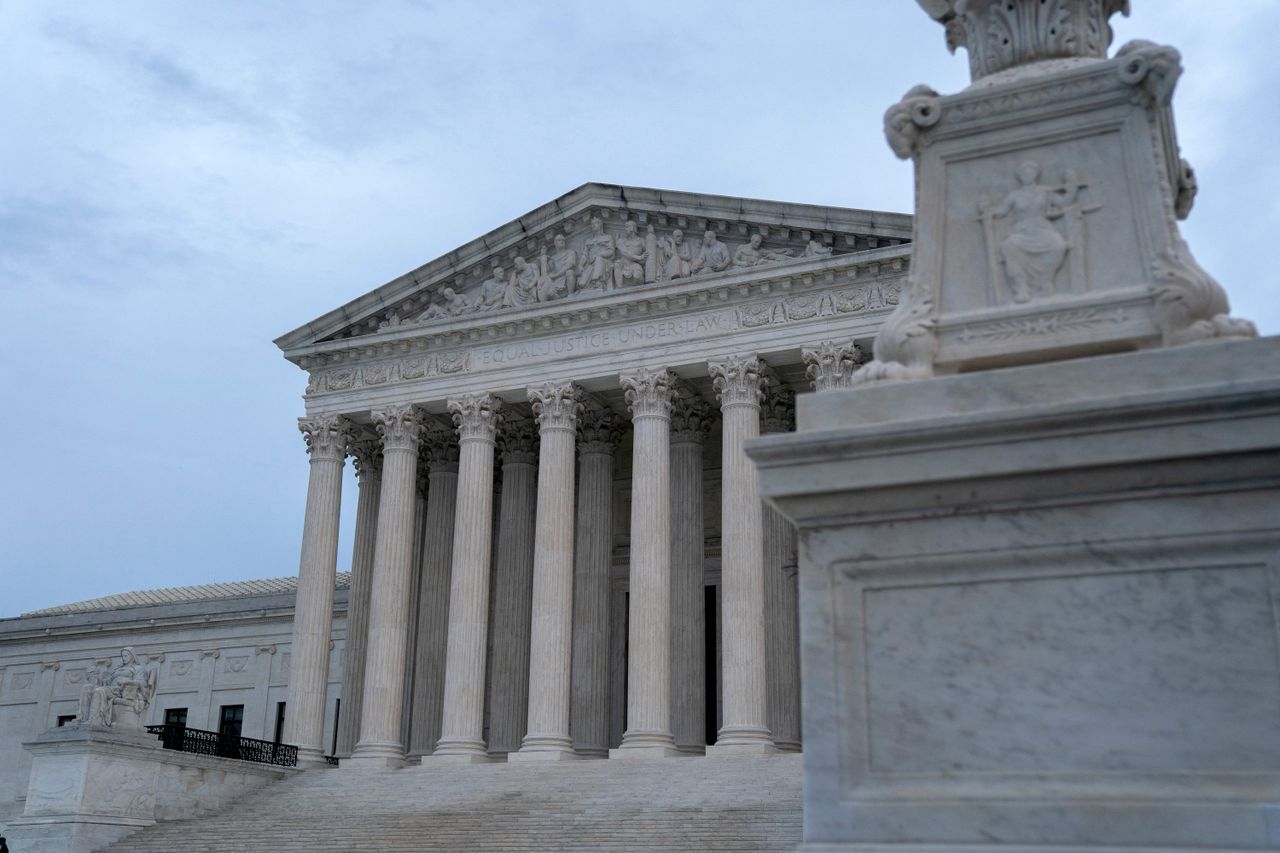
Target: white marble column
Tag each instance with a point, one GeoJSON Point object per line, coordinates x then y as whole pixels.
{"type": "Point", "coordinates": [599, 431]}
{"type": "Point", "coordinates": [326, 438]}
{"type": "Point", "coordinates": [745, 727]}
{"type": "Point", "coordinates": [691, 421]}
{"type": "Point", "coordinates": [782, 618]}
{"type": "Point", "coordinates": [648, 735]}
{"type": "Point", "coordinates": [512, 588]}
{"type": "Point", "coordinates": [415, 592]}
{"type": "Point", "coordinates": [461, 737]}
{"type": "Point", "coordinates": [556, 408]}
{"type": "Point", "coordinates": [383, 703]}
{"type": "Point", "coordinates": [440, 449]}
{"type": "Point", "coordinates": [366, 451]}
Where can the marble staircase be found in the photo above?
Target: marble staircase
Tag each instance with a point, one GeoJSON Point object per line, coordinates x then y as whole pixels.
{"type": "Point", "coordinates": [686, 804]}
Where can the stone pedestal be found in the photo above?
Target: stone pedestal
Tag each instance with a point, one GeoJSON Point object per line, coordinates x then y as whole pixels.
{"type": "Point", "coordinates": [90, 787]}
{"type": "Point", "coordinates": [1039, 605]}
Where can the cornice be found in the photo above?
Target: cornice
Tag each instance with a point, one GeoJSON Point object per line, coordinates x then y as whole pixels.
{"type": "Point", "coordinates": [638, 201]}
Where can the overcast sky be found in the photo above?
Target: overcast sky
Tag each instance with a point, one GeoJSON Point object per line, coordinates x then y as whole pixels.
{"type": "Point", "coordinates": [182, 182]}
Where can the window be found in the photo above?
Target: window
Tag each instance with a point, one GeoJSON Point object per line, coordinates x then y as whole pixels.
{"type": "Point", "coordinates": [63, 719]}
{"type": "Point", "coordinates": [231, 720]}
{"type": "Point", "coordinates": [279, 722]}
{"type": "Point", "coordinates": [175, 717]}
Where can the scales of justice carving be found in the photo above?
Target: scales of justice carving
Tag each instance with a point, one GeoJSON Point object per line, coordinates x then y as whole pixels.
{"type": "Point", "coordinates": [1025, 250]}
{"type": "Point", "coordinates": [602, 262]}
{"type": "Point", "coordinates": [117, 695]}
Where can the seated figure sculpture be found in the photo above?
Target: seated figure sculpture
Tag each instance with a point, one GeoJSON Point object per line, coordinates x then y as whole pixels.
{"type": "Point", "coordinates": [751, 254]}
{"type": "Point", "coordinates": [713, 256]}
{"type": "Point", "coordinates": [120, 695]}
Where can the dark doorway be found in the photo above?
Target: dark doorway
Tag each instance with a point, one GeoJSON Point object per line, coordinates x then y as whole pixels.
{"type": "Point", "coordinates": [230, 721]}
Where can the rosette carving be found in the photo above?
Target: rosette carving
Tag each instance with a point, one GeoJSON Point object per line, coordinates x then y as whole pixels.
{"type": "Point", "coordinates": [326, 436]}
{"type": "Point", "coordinates": [556, 406]}
{"type": "Point", "coordinates": [649, 393]}
{"type": "Point", "coordinates": [831, 365]}
{"type": "Point", "coordinates": [691, 419]}
{"type": "Point", "coordinates": [399, 427]}
{"type": "Point", "coordinates": [739, 380]}
{"type": "Point", "coordinates": [904, 122]}
{"type": "Point", "coordinates": [599, 430]}
{"type": "Point", "coordinates": [476, 416]}
{"type": "Point", "coordinates": [518, 441]}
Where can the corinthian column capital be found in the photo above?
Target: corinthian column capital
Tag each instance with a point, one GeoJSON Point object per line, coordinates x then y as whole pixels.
{"type": "Point", "coordinates": [399, 427]}
{"type": "Point", "coordinates": [599, 430]}
{"type": "Point", "coordinates": [556, 405]}
{"type": "Point", "coordinates": [365, 447]}
{"type": "Point", "coordinates": [326, 436]}
{"type": "Point", "coordinates": [778, 409]}
{"type": "Point", "coordinates": [518, 441]}
{"type": "Point", "coordinates": [830, 365]}
{"type": "Point", "coordinates": [439, 447]}
{"type": "Point", "coordinates": [738, 380]}
{"type": "Point", "coordinates": [691, 420]}
{"type": "Point", "coordinates": [649, 393]}
{"type": "Point", "coordinates": [476, 416]}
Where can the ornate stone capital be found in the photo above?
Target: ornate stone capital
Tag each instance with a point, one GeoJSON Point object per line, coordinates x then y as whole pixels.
{"type": "Point", "coordinates": [365, 448]}
{"type": "Point", "coordinates": [778, 409]}
{"type": "Point", "coordinates": [518, 441]}
{"type": "Point", "coordinates": [556, 406]}
{"type": "Point", "coordinates": [738, 380]}
{"type": "Point", "coordinates": [399, 427]}
{"type": "Point", "coordinates": [831, 365]}
{"type": "Point", "coordinates": [691, 420]}
{"type": "Point", "coordinates": [1002, 34]}
{"type": "Point", "coordinates": [649, 393]}
{"type": "Point", "coordinates": [476, 416]}
{"type": "Point", "coordinates": [599, 430]}
{"type": "Point", "coordinates": [326, 436]}
{"type": "Point", "coordinates": [439, 447]}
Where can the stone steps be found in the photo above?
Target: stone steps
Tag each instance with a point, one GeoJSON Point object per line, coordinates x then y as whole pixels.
{"type": "Point", "coordinates": [750, 804]}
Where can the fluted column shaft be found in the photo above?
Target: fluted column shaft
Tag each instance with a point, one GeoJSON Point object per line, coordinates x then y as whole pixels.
{"type": "Point", "coordinates": [367, 453]}
{"type": "Point", "coordinates": [551, 634]}
{"type": "Point", "coordinates": [415, 602]}
{"type": "Point", "coordinates": [383, 703]}
{"type": "Point", "coordinates": [782, 623]}
{"type": "Point", "coordinates": [745, 713]}
{"type": "Point", "coordinates": [462, 729]}
{"type": "Point", "coordinates": [649, 394]}
{"type": "Point", "coordinates": [433, 601]}
{"type": "Point", "coordinates": [691, 420]}
{"type": "Point", "coordinates": [313, 617]}
{"type": "Point", "coordinates": [512, 587]}
{"type": "Point", "coordinates": [600, 430]}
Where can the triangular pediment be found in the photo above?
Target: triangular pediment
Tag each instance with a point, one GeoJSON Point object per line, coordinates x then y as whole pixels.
{"type": "Point", "coordinates": [597, 239]}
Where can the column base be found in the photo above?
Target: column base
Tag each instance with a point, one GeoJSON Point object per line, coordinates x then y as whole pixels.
{"type": "Point", "coordinates": [437, 759]}
{"type": "Point", "coordinates": [645, 753]}
{"type": "Point", "coordinates": [528, 755]}
{"type": "Point", "coordinates": [787, 745]}
{"type": "Point", "coordinates": [740, 750]}
{"type": "Point", "coordinates": [692, 749]}
{"type": "Point", "coordinates": [310, 758]}
{"type": "Point", "coordinates": [646, 745]}
{"type": "Point", "coordinates": [375, 756]}
{"type": "Point", "coordinates": [591, 752]}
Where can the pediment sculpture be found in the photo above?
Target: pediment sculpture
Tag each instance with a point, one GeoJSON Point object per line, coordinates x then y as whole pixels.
{"type": "Point", "coordinates": [117, 695]}
{"type": "Point", "coordinates": [599, 260]}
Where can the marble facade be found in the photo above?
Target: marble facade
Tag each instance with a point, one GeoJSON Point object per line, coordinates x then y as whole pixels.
{"type": "Point", "coordinates": [574, 391]}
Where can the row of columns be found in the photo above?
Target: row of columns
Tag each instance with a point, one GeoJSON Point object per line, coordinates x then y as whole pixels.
{"type": "Point", "coordinates": [564, 614]}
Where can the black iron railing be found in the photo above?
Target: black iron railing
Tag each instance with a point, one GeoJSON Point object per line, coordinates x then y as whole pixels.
{"type": "Point", "coordinates": [331, 760]}
{"type": "Point", "coordinates": [225, 745]}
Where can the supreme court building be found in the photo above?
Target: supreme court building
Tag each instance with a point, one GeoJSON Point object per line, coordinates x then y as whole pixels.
{"type": "Point", "coordinates": [559, 549]}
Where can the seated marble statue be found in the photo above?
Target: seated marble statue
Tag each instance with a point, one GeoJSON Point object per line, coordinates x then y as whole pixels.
{"type": "Point", "coordinates": [522, 290]}
{"type": "Point", "coordinates": [679, 256]}
{"type": "Point", "coordinates": [118, 695]}
{"type": "Point", "coordinates": [559, 271]}
{"type": "Point", "coordinates": [751, 254]}
{"type": "Point", "coordinates": [493, 290]}
{"type": "Point", "coordinates": [628, 269]}
{"type": "Point", "coordinates": [595, 270]}
{"type": "Point", "coordinates": [816, 250]}
{"type": "Point", "coordinates": [713, 256]}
